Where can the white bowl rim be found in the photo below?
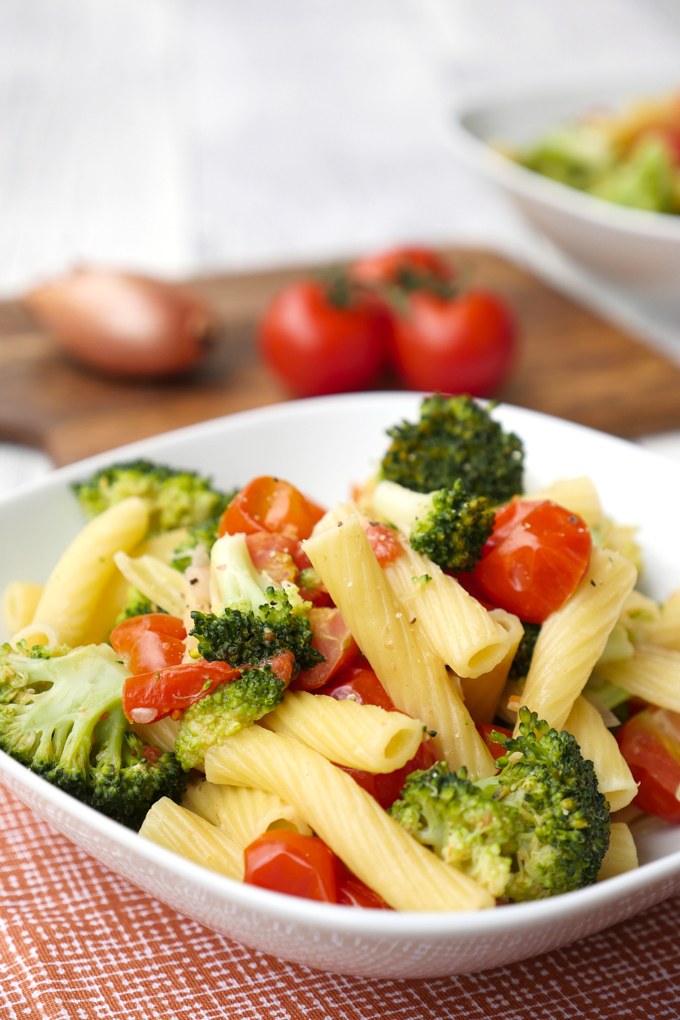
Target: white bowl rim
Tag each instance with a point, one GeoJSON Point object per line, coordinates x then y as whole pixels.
{"type": "Point", "coordinates": [532, 185]}
{"type": "Point", "coordinates": [279, 905]}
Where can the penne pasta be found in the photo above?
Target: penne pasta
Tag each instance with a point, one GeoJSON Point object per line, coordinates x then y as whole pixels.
{"type": "Point", "coordinates": [622, 854]}
{"type": "Point", "coordinates": [73, 588]}
{"type": "Point", "coordinates": [372, 845]}
{"type": "Point", "coordinates": [191, 836]}
{"type": "Point", "coordinates": [19, 604]}
{"type": "Point", "coordinates": [358, 736]}
{"type": "Point", "coordinates": [483, 693]}
{"type": "Point", "coordinates": [240, 812]}
{"type": "Point", "coordinates": [156, 580]}
{"type": "Point", "coordinates": [651, 673]}
{"type": "Point", "coordinates": [573, 638]}
{"type": "Point", "coordinates": [598, 744]}
{"type": "Point", "coordinates": [161, 734]}
{"type": "Point", "coordinates": [413, 676]}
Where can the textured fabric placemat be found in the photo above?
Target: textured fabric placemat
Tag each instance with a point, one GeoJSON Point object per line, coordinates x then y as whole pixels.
{"type": "Point", "coordinates": [78, 942]}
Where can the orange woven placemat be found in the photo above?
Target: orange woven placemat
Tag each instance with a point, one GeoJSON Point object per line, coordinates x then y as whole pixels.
{"type": "Point", "coordinates": [78, 942]}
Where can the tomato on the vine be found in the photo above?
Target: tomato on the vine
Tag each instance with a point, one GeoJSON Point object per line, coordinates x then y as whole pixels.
{"type": "Point", "coordinates": [534, 559]}
{"type": "Point", "coordinates": [455, 344]}
{"type": "Point", "coordinates": [325, 337]}
{"type": "Point", "coordinates": [405, 267]}
{"type": "Point", "coordinates": [650, 743]}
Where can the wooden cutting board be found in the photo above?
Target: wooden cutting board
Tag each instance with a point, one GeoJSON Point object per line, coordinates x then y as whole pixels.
{"type": "Point", "coordinates": [572, 364]}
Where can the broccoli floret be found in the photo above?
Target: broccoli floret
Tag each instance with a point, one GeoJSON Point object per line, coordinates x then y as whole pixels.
{"type": "Point", "coordinates": [645, 180]}
{"type": "Point", "coordinates": [204, 534]}
{"type": "Point", "coordinates": [175, 498]}
{"type": "Point", "coordinates": [455, 439]}
{"type": "Point", "coordinates": [137, 605]}
{"type": "Point", "coordinates": [455, 529]}
{"type": "Point", "coordinates": [539, 828]}
{"type": "Point", "coordinates": [519, 667]}
{"type": "Point", "coordinates": [577, 154]}
{"type": "Point", "coordinates": [243, 637]}
{"type": "Point", "coordinates": [231, 707]}
{"type": "Point", "coordinates": [61, 716]}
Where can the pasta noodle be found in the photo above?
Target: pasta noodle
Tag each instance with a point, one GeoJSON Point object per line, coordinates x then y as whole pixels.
{"type": "Point", "coordinates": [76, 583]}
{"type": "Point", "coordinates": [413, 676]}
{"type": "Point", "coordinates": [242, 813]}
{"type": "Point", "coordinates": [651, 673]}
{"type": "Point", "coordinates": [661, 627]}
{"type": "Point", "coordinates": [19, 604]}
{"type": "Point", "coordinates": [374, 847]}
{"type": "Point", "coordinates": [597, 744]}
{"type": "Point", "coordinates": [358, 736]}
{"type": "Point", "coordinates": [621, 855]}
{"type": "Point", "coordinates": [573, 638]}
{"type": "Point", "coordinates": [483, 693]}
{"type": "Point", "coordinates": [156, 580]}
{"type": "Point", "coordinates": [191, 836]}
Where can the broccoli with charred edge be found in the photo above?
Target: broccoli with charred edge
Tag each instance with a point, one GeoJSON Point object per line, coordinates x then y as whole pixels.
{"type": "Point", "coordinates": [243, 637]}
{"type": "Point", "coordinates": [455, 439]}
{"type": "Point", "coordinates": [230, 708]}
{"type": "Point", "coordinates": [61, 716]}
{"type": "Point", "coordinates": [455, 529]}
{"type": "Point", "coordinates": [539, 828]}
{"type": "Point", "coordinates": [174, 498]}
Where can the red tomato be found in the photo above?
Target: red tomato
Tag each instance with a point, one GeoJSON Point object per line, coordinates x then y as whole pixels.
{"type": "Point", "coordinates": [404, 267]}
{"type": "Point", "coordinates": [149, 642]}
{"type": "Point", "coordinates": [384, 543]}
{"type": "Point", "coordinates": [270, 504]}
{"type": "Point", "coordinates": [151, 696]}
{"type": "Point", "coordinates": [320, 339]}
{"type": "Point", "coordinates": [271, 554]}
{"type": "Point", "coordinates": [650, 743]}
{"type": "Point", "coordinates": [352, 892]}
{"type": "Point", "coordinates": [333, 638]}
{"type": "Point", "coordinates": [386, 786]}
{"type": "Point", "coordinates": [359, 683]}
{"type": "Point", "coordinates": [460, 344]}
{"type": "Point", "coordinates": [287, 862]}
{"type": "Point", "coordinates": [534, 559]}
{"type": "Point", "coordinates": [486, 729]}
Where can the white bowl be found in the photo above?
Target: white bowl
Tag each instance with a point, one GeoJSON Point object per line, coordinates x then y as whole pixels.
{"type": "Point", "coordinates": [636, 251]}
{"type": "Point", "coordinates": [323, 445]}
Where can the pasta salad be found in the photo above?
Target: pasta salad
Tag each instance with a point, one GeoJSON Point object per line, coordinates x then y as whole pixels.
{"type": "Point", "coordinates": [440, 695]}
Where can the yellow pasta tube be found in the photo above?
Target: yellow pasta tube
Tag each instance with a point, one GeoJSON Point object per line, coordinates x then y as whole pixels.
{"type": "Point", "coordinates": [74, 586]}
{"type": "Point", "coordinates": [358, 736]}
{"type": "Point", "coordinates": [242, 813]}
{"type": "Point", "coordinates": [459, 629]}
{"type": "Point", "coordinates": [413, 676]}
{"type": "Point", "coordinates": [597, 743]}
{"type": "Point", "coordinates": [348, 819]}
{"type": "Point", "coordinates": [664, 626]}
{"type": "Point", "coordinates": [573, 638]}
{"type": "Point", "coordinates": [576, 494]}
{"type": "Point", "coordinates": [651, 673]}
{"type": "Point", "coordinates": [190, 836]}
{"type": "Point", "coordinates": [621, 855]}
{"type": "Point", "coordinates": [483, 693]}
{"type": "Point", "coordinates": [161, 734]}
{"type": "Point", "coordinates": [19, 604]}
{"type": "Point", "coordinates": [156, 580]}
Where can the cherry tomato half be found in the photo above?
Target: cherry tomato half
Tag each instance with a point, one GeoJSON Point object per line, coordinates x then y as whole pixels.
{"type": "Point", "coordinates": [459, 344]}
{"type": "Point", "coordinates": [272, 554]}
{"type": "Point", "coordinates": [149, 642]}
{"type": "Point", "coordinates": [285, 861]}
{"type": "Point", "coordinates": [486, 729]}
{"type": "Point", "coordinates": [384, 543]}
{"type": "Point", "coordinates": [151, 696]}
{"type": "Point", "coordinates": [650, 743]}
{"type": "Point", "coordinates": [325, 339]}
{"type": "Point", "coordinates": [360, 683]}
{"type": "Point", "coordinates": [352, 892]}
{"type": "Point", "coordinates": [333, 638]}
{"type": "Point", "coordinates": [404, 267]}
{"type": "Point", "coordinates": [270, 504]}
{"type": "Point", "coordinates": [534, 559]}
{"type": "Point", "coordinates": [385, 787]}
